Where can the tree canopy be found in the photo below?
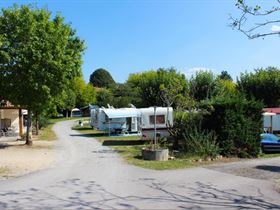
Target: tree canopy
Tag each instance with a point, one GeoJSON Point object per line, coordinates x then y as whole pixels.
{"type": "Point", "coordinates": [85, 93]}
{"type": "Point", "coordinates": [104, 97]}
{"type": "Point", "coordinates": [156, 87]}
{"type": "Point", "coordinates": [101, 78]}
{"type": "Point", "coordinates": [40, 56]}
{"type": "Point", "coordinates": [202, 85]}
{"type": "Point", "coordinates": [262, 85]}
{"type": "Point", "coordinates": [225, 76]}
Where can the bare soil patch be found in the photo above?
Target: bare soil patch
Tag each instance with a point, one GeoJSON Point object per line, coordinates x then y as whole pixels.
{"type": "Point", "coordinates": [18, 159]}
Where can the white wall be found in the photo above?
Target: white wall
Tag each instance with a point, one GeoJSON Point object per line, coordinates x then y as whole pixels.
{"type": "Point", "coordinates": [13, 115]}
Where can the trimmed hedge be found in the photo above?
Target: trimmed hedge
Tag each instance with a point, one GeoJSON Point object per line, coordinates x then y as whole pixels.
{"type": "Point", "coordinates": [237, 123]}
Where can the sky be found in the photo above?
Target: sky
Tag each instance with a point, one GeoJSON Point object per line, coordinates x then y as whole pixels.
{"type": "Point", "coordinates": [131, 36]}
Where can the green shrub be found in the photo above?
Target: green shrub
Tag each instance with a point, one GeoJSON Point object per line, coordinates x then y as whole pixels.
{"type": "Point", "coordinates": [202, 143]}
{"type": "Point", "coordinates": [43, 121]}
{"type": "Point", "coordinates": [237, 123]}
{"type": "Point", "coordinates": [183, 122]}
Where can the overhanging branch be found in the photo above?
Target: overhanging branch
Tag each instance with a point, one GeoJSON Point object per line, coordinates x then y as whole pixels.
{"type": "Point", "coordinates": [247, 12]}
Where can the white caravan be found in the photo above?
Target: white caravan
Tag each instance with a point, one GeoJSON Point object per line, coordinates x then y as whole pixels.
{"type": "Point", "coordinates": [117, 121]}
{"type": "Point", "coordinates": [164, 120]}
{"type": "Point", "coordinates": [76, 112]}
{"type": "Point", "coordinates": [133, 121]}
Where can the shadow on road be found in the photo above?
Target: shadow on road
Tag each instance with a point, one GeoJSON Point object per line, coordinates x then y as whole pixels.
{"type": "Point", "coordinates": [123, 142]}
{"type": "Point", "coordinates": [77, 194]}
{"type": "Point", "coordinates": [88, 135]}
{"type": "Point", "coordinates": [3, 145]}
{"type": "Point", "coordinates": [270, 168]}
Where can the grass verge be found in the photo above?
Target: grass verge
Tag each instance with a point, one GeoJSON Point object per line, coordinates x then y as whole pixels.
{"type": "Point", "coordinates": [132, 155]}
{"type": "Point", "coordinates": [269, 155]}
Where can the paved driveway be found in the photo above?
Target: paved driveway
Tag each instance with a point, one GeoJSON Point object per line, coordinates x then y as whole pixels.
{"type": "Point", "coordinates": [90, 175]}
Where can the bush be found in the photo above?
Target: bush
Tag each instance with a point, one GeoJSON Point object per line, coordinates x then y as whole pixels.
{"type": "Point", "coordinates": [183, 122]}
{"type": "Point", "coordinates": [201, 143]}
{"type": "Point", "coordinates": [237, 123]}
{"type": "Point", "coordinates": [43, 122]}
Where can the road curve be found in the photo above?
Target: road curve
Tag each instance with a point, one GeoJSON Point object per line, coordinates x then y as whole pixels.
{"type": "Point", "coordinates": [91, 176]}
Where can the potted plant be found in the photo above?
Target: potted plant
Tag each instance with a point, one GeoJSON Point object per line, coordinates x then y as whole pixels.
{"type": "Point", "coordinates": [154, 152]}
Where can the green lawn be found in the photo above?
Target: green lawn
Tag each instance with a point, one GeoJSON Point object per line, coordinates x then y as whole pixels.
{"type": "Point", "coordinates": [269, 155]}
{"type": "Point", "coordinates": [132, 154]}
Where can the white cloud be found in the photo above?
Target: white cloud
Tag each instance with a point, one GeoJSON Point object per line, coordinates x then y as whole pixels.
{"type": "Point", "coordinates": [275, 28]}
{"type": "Point", "coordinates": [191, 71]}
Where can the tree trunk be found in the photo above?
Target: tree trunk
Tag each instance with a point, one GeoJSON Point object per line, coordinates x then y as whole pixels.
{"type": "Point", "coordinates": [37, 124]}
{"type": "Point", "coordinates": [28, 136]}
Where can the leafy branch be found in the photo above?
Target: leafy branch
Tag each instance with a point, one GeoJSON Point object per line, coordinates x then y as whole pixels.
{"type": "Point", "coordinates": [250, 12]}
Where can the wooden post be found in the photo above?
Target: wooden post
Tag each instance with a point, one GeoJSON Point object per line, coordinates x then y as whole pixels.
{"type": "Point", "coordinates": [20, 123]}
{"type": "Point", "coordinates": [271, 127]}
{"type": "Point", "coordinates": [155, 128]}
{"type": "Point", "coordinates": [29, 129]}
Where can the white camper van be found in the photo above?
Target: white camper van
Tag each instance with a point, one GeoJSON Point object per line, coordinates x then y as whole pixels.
{"type": "Point", "coordinates": [164, 119]}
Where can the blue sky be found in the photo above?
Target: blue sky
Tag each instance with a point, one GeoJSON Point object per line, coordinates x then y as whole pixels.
{"type": "Point", "coordinates": [128, 36]}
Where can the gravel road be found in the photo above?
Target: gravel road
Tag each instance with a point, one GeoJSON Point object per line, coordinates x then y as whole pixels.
{"type": "Point", "coordinates": [263, 168]}
{"type": "Point", "coordinates": [91, 176]}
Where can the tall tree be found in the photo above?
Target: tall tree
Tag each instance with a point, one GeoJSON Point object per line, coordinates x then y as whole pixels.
{"type": "Point", "coordinates": [101, 78]}
{"type": "Point", "coordinates": [124, 95]}
{"type": "Point", "coordinates": [85, 93]}
{"type": "Point", "coordinates": [225, 76]}
{"type": "Point", "coordinates": [40, 56]}
{"type": "Point", "coordinates": [104, 97]}
{"type": "Point", "coordinates": [255, 20]}
{"type": "Point", "coordinates": [262, 85]}
{"type": "Point", "coordinates": [159, 87]}
{"type": "Point", "coordinates": [225, 88]}
{"type": "Point", "coordinates": [202, 85]}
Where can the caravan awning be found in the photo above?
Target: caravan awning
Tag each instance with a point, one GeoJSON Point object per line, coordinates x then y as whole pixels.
{"type": "Point", "coordinates": [122, 113]}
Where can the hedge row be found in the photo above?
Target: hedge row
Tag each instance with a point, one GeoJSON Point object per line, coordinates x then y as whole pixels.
{"type": "Point", "coordinates": [237, 123]}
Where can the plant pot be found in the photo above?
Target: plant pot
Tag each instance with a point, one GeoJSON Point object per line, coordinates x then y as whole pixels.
{"type": "Point", "coordinates": [158, 154]}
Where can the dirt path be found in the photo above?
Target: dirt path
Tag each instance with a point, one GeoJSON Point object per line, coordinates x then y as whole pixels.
{"type": "Point", "coordinates": [93, 176]}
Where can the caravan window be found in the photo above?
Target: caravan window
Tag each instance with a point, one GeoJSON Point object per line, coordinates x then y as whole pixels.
{"type": "Point", "coordinates": [160, 119]}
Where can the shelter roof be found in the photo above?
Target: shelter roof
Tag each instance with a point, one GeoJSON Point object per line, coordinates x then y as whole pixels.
{"type": "Point", "coordinates": [275, 110]}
